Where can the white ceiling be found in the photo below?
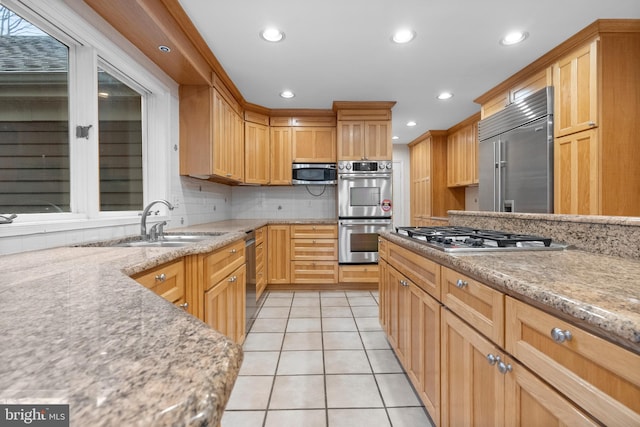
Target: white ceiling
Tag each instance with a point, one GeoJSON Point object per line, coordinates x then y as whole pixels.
{"type": "Point", "coordinates": [341, 50]}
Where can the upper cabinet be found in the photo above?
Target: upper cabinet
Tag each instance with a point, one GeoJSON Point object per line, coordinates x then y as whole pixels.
{"type": "Point", "coordinates": [257, 149]}
{"type": "Point", "coordinates": [516, 90]}
{"type": "Point", "coordinates": [462, 153]}
{"type": "Point", "coordinates": [364, 130]}
{"type": "Point", "coordinates": [280, 156]}
{"type": "Point", "coordinates": [314, 145]}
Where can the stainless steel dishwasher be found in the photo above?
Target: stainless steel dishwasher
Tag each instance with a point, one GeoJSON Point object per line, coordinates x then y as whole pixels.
{"type": "Point", "coordinates": [251, 305]}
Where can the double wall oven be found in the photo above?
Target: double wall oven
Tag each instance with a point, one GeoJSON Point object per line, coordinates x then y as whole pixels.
{"type": "Point", "coordinates": [364, 209]}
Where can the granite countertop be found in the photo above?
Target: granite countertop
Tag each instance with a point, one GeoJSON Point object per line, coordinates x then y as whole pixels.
{"type": "Point", "coordinates": [598, 292]}
{"type": "Point", "coordinates": [78, 330]}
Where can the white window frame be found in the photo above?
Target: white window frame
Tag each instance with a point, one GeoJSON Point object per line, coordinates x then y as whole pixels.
{"type": "Point", "coordinates": [88, 47]}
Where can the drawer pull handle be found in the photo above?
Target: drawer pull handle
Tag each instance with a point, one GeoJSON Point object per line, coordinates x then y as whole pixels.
{"type": "Point", "coordinates": [504, 368]}
{"type": "Point", "coordinates": [492, 359]}
{"type": "Point", "coordinates": [461, 283]}
{"type": "Point", "coordinates": [592, 124]}
{"type": "Point", "coordinates": [561, 336]}
{"type": "Point", "coordinates": [233, 251]}
{"type": "Point", "coordinates": [403, 283]}
{"type": "Point", "coordinates": [184, 306]}
{"type": "Point", "coordinates": [161, 277]}
{"type": "Point", "coordinates": [232, 279]}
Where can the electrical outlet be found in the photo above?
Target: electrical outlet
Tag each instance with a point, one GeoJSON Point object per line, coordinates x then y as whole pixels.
{"type": "Point", "coordinates": [176, 201]}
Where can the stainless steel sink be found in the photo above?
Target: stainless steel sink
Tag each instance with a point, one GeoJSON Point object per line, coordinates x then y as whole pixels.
{"type": "Point", "coordinates": [169, 241]}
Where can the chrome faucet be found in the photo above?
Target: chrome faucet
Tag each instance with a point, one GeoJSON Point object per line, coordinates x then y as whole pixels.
{"type": "Point", "coordinates": [145, 213]}
{"type": "Point", "coordinates": [7, 219]}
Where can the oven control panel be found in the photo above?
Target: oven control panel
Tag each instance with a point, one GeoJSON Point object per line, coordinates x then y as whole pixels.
{"type": "Point", "coordinates": [365, 166]}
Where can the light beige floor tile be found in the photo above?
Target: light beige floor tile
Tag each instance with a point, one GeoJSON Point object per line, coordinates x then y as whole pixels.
{"type": "Point", "coordinates": [259, 363]}
{"type": "Point", "coordinates": [263, 341]}
{"type": "Point", "coordinates": [269, 325]}
{"type": "Point", "coordinates": [408, 417]}
{"type": "Point", "coordinates": [277, 302]}
{"type": "Point", "coordinates": [273, 313]}
{"type": "Point", "coordinates": [338, 324]}
{"type": "Point", "coordinates": [368, 324]}
{"type": "Point", "coordinates": [396, 390]}
{"type": "Point", "coordinates": [306, 302]}
{"type": "Point", "coordinates": [335, 302]}
{"type": "Point", "coordinates": [359, 418]}
{"type": "Point", "coordinates": [300, 363]}
{"type": "Point", "coordinates": [365, 311]}
{"type": "Point", "coordinates": [300, 417]}
{"type": "Point", "coordinates": [358, 293]}
{"type": "Point", "coordinates": [304, 325]}
{"type": "Point", "coordinates": [375, 340]}
{"type": "Point", "coordinates": [384, 362]}
{"type": "Point", "coordinates": [250, 393]}
{"type": "Point", "coordinates": [360, 301]}
{"type": "Point", "coordinates": [341, 341]}
{"type": "Point", "coordinates": [298, 392]}
{"type": "Point", "coordinates": [302, 312]}
{"type": "Point", "coordinates": [352, 391]}
{"type": "Point", "coordinates": [328, 311]}
{"type": "Point", "coordinates": [302, 341]}
{"type": "Point", "coordinates": [328, 294]}
{"type": "Point", "coordinates": [306, 294]}
{"type": "Point", "coordinates": [243, 418]}
{"type": "Point", "coordinates": [346, 362]}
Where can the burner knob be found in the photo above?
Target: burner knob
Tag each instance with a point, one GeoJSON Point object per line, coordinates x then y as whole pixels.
{"type": "Point", "coordinates": [447, 241]}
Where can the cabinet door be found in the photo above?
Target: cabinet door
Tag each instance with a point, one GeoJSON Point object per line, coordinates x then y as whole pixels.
{"type": "Point", "coordinates": [377, 140]}
{"type": "Point", "coordinates": [576, 177]}
{"type": "Point", "coordinates": [472, 388]}
{"type": "Point", "coordinates": [257, 153]}
{"type": "Point", "coordinates": [600, 377]}
{"type": "Point", "coordinates": [423, 367]}
{"type": "Point", "coordinates": [236, 148]}
{"type": "Point", "coordinates": [351, 135]}
{"type": "Point", "coordinates": [314, 145]}
{"type": "Point", "coordinates": [531, 402]}
{"type": "Point", "coordinates": [224, 305]}
{"type": "Point", "coordinates": [575, 91]}
{"type": "Point", "coordinates": [168, 281]}
{"type": "Point", "coordinates": [280, 165]}
{"type": "Point", "coordinates": [397, 296]}
{"type": "Point", "coordinates": [278, 254]}
{"type": "Point", "coordinates": [220, 124]}
{"type": "Point", "coordinates": [383, 294]}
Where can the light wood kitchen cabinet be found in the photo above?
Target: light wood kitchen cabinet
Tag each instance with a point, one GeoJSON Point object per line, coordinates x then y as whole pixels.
{"type": "Point", "coordinates": [314, 253]}
{"type": "Point", "coordinates": [430, 194]}
{"type": "Point", "coordinates": [224, 305]}
{"type": "Point", "coordinates": [383, 293]}
{"type": "Point", "coordinates": [314, 145]}
{"type": "Point", "coordinates": [575, 91]}
{"type": "Point", "coordinates": [398, 298]}
{"type": "Point", "coordinates": [462, 153]}
{"type": "Point", "coordinates": [280, 157]}
{"type": "Point", "coordinates": [364, 140]}
{"type": "Point", "coordinates": [168, 281]}
{"type": "Point", "coordinates": [358, 273]}
{"type": "Point", "coordinates": [211, 135]}
{"type": "Point", "coordinates": [600, 377]}
{"type": "Point", "coordinates": [314, 231]}
{"type": "Point", "coordinates": [278, 254]}
{"type": "Point", "coordinates": [257, 152]}
{"type": "Point", "coordinates": [575, 174]}
{"type": "Point", "coordinates": [261, 265]}
{"type": "Point", "coordinates": [421, 271]}
{"type": "Point", "coordinates": [516, 90]}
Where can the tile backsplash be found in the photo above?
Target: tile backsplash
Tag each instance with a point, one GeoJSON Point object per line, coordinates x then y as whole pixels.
{"type": "Point", "coordinates": [303, 202]}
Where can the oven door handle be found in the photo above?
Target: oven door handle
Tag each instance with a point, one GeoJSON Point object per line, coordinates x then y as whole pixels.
{"type": "Point", "coordinates": [354, 224]}
{"type": "Point", "coordinates": [368, 176]}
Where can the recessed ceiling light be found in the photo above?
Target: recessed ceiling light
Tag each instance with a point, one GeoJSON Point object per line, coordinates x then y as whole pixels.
{"type": "Point", "coordinates": [272, 35]}
{"type": "Point", "coordinates": [287, 94]}
{"type": "Point", "coordinates": [165, 49]}
{"type": "Point", "coordinates": [514, 38]}
{"type": "Point", "coordinates": [403, 36]}
{"type": "Point", "coordinates": [445, 95]}
{"type": "Point", "coordinates": [395, 137]}
{"type": "Point", "coordinates": [411, 123]}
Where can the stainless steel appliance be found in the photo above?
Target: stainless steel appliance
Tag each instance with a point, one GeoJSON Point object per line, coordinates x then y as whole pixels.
{"type": "Point", "coordinates": [251, 303]}
{"type": "Point", "coordinates": [364, 209]}
{"type": "Point", "coordinates": [313, 174]}
{"type": "Point", "coordinates": [516, 156]}
{"type": "Point", "coordinates": [469, 239]}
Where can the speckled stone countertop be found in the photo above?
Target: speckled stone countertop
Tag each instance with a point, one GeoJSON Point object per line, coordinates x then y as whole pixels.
{"type": "Point", "coordinates": [598, 292]}
{"type": "Point", "coordinates": [75, 329]}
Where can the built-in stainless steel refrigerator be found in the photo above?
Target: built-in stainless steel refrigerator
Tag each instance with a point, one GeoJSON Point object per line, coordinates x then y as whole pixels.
{"type": "Point", "coordinates": [516, 156]}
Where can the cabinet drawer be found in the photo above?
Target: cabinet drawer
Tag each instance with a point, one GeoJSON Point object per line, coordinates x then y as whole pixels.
{"type": "Point", "coordinates": [222, 262]}
{"type": "Point", "coordinates": [367, 273]}
{"type": "Point", "coordinates": [478, 304]}
{"type": "Point", "coordinates": [260, 235]}
{"type": "Point", "coordinates": [314, 231]}
{"type": "Point", "coordinates": [314, 249]}
{"type": "Point", "coordinates": [421, 271]}
{"type": "Point", "coordinates": [314, 271]}
{"type": "Point", "coordinates": [600, 377]}
{"type": "Point", "coordinates": [166, 280]}
{"type": "Point", "coordinates": [382, 248]}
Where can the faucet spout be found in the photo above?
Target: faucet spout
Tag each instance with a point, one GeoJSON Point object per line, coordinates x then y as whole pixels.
{"type": "Point", "coordinates": [145, 213]}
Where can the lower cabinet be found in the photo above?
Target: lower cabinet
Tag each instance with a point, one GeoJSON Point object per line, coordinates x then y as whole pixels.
{"type": "Point", "coordinates": [261, 266]}
{"type": "Point", "coordinates": [168, 281]}
{"type": "Point", "coordinates": [224, 305]}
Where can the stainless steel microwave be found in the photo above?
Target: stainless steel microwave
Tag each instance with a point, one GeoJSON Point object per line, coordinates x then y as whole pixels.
{"type": "Point", "coordinates": [314, 174]}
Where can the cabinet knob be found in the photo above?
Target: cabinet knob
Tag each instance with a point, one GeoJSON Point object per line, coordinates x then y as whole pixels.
{"type": "Point", "coordinates": [161, 277]}
{"type": "Point", "coordinates": [504, 368]}
{"type": "Point", "coordinates": [560, 336]}
{"type": "Point", "coordinates": [592, 124]}
{"type": "Point", "coordinates": [461, 283]}
{"type": "Point", "coordinates": [184, 306]}
{"type": "Point", "coordinates": [492, 359]}
{"type": "Point", "coordinates": [233, 251]}
{"type": "Point", "coordinates": [232, 279]}
{"type": "Point", "coordinates": [404, 283]}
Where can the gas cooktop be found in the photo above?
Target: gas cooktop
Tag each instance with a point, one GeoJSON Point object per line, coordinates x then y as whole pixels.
{"type": "Point", "coordinates": [469, 239]}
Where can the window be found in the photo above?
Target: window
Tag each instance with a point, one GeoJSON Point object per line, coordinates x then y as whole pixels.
{"type": "Point", "coordinates": [34, 119]}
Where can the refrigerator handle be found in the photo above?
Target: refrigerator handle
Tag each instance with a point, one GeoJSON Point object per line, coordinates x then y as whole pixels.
{"type": "Point", "coordinates": [497, 176]}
